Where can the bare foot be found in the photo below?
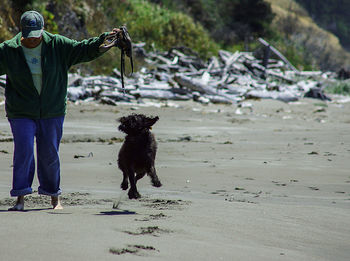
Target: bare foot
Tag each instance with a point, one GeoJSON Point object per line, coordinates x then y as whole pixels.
{"type": "Point", "coordinates": [55, 202]}
{"type": "Point", "coordinates": [19, 204]}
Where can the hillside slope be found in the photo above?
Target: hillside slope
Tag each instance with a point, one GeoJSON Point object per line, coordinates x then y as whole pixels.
{"type": "Point", "coordinates": [321, 47]}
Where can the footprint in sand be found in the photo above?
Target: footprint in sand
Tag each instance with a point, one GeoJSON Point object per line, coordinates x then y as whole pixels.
{"type": "Point", "coordinates": [164, 204]}
{"type": "Point", "coordinates": [131, 249]}
{"type": "Point", "coordinates": [279, 183]}
{"type": "Point", "coordinates": [153, 217]}
{"type": "Point", "coordinates": [151, 230]}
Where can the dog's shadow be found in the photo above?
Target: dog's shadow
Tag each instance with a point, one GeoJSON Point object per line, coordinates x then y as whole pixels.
{"type": "Point", "coordinates": [116, 213]}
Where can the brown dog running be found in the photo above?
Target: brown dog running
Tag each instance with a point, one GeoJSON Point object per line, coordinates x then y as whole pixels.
{"type": "Point", "coordinates": [138, 152]}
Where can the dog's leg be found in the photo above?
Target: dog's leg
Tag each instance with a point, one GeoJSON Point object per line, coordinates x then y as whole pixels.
{"type": "Point", "coordinates": [154, 178]}
{"type": "Point", "coordinates": [122, 164]}
{"type": "Point", "coordinates": [124, 185]}
{"type": "Point", "coordinates": [133, 193]}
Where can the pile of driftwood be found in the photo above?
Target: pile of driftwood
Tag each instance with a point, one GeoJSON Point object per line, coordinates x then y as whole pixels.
{"type": "Point", "coordinates": [180, 74]}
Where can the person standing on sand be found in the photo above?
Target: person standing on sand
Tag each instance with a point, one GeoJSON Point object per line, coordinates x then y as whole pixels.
{"type": "Point", "coordinates": [36, 65]}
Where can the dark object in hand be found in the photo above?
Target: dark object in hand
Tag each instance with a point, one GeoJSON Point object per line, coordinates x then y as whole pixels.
{"type": "Point", "coordinates": [121, 39]}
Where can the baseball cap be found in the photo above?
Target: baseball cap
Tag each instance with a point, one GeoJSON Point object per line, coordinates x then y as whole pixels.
{"type": "Point", "coordinates": [32, 24]}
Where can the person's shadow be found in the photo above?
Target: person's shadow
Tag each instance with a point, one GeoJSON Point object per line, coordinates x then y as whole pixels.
{"type": "Point", "coordinates": [102, 213]}
{"type": "Point", "coordinates": [25, 210]}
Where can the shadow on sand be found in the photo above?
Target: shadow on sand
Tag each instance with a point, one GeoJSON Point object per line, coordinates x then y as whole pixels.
{"type": "Point", "coordinates": [26, 210]}
{"type": "Point", "coordinates": [116, 213]}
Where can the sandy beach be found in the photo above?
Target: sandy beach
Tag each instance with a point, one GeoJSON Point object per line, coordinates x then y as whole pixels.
{"type": "Point", "coordinates": [265, 181]}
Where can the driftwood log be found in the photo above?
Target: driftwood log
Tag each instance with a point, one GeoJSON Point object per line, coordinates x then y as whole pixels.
{"type": "Point", "coordinates": [281, 56]}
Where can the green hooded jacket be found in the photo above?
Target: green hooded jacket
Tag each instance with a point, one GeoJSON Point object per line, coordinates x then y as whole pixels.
{"type": "Point", "coordinates": [58, 54]}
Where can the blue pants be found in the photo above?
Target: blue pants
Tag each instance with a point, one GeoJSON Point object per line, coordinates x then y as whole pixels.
{"type": "Point", "coordinates": [48, 134]}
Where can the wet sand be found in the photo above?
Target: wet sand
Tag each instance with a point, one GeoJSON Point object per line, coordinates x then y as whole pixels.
{"type": "Point", "coordinates": [266, 181]}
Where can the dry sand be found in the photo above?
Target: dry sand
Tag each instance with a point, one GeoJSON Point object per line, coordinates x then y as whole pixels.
{"type": "Point", "coordinates": [269, 183]}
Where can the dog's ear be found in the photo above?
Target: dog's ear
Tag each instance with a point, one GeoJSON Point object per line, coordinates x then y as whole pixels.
{"type": "Point", "coordinates": [155, 119]}
{"type": "Point", "coordinates": [122, 127]}
{"type": "Point", "coordinates": [150, 121]}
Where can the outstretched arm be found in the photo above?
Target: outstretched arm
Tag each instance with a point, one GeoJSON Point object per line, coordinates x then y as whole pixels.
{"type": "Point", "coordinates": [86, 50]}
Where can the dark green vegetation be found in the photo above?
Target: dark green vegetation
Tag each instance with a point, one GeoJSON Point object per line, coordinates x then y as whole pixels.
{"type": "Point", "coordinates": [342, 88]}
{"type": "Point", "coordinates": [228, 21]}
{"type": "Point", "coordinates": [160, 28]}
{"type": "Point", "coordinates": [205, 26]}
